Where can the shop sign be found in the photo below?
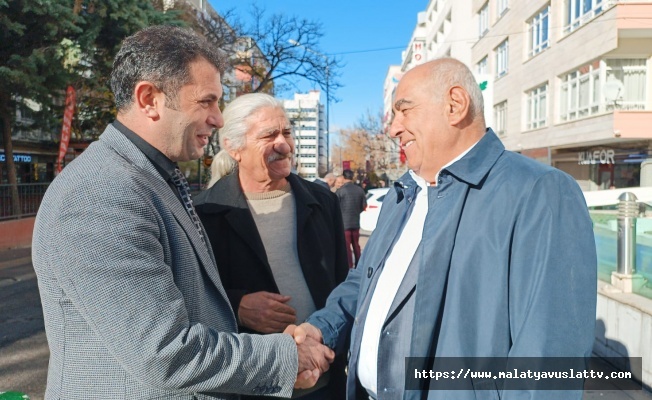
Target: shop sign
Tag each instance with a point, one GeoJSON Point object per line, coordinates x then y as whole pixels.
{"type": "Point", "coordinates": [26, 158]}
{"type": "Point", "coordinates": [604, 156]}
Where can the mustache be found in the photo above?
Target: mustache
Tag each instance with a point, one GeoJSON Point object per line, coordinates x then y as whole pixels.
{"type": "Point", "coordinates": [278, 156]}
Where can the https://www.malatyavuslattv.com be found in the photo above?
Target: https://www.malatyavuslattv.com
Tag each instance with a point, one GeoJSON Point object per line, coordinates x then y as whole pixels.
{"type": "Point", "coordinates": [520, 373]}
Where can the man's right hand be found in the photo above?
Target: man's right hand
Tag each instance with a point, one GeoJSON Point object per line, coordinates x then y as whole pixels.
{"type": "Point", "coordinates": [314, 357]}
{"type": "Point", "coordinates": [266, 312]}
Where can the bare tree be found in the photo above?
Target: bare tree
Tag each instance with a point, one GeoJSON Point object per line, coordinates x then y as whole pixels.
{"type": "Point", "coordinates": [368, 143]}
{"type": "Point", "coordinates": [283, 48]}
{"type": "Point", "coordinates": [222, 30]}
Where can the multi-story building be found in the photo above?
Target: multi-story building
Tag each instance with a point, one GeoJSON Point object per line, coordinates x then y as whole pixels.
{"type": "Point", "coordinates": [569, 80]}
{"type": "Point", "coordinates": [571, 83]}
{"type": "Point", "coordinates": [442, 30]}
{"type": "Point", "coordinates": [394, 75]}
{"type": "Point", "coordinates": [306, 114]}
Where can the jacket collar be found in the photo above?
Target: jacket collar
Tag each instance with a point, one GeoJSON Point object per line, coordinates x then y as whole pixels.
{"type": "Point", "coordinates": [471, 168]}
{"type": "Point", "coordinates": [132, 154]}
{"type": "Point", "coordinates": [227, 192]}
{"type": "Point", "coordinates": [476, 164]}
{"type": "Point", "coordinates": [406, 188]}
{"type": "Point", "coordinates": [128, 150]}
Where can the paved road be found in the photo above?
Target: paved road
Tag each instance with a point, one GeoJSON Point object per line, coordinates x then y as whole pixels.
{"type": "Point", "coordinates": [24, 350]}
{"type": "Point", "coordinates": [23, 347]}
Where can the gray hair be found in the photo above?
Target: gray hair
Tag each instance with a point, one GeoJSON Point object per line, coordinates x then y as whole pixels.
{"type": "Point", "coordinates": [161, 55]}
{"type": "Point", "coordinates": [221, 166]}
{"type": "Point", "coordinates": [451, 72]}
{"type": "Point", "coordinates": [236, 124]}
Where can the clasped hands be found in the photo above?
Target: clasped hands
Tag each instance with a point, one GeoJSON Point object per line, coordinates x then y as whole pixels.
{"type": "Point", "coordinates": [314, 357]}
{"type": "Point", "coordinates": [268, 313]}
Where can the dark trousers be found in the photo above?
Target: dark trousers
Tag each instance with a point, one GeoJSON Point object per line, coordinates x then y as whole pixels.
{"type": "Point", "coordinates": [352, 241]}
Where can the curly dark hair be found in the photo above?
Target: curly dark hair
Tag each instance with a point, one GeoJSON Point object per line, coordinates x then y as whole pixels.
{"type": "Point", "coordinates": [161, 55]}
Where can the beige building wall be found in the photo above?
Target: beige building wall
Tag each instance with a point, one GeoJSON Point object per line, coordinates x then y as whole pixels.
{"type": "Point", "coordinates": [620, 30]}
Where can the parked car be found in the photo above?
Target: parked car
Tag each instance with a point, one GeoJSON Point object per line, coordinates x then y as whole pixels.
{"type": "Point", "coordinates": [369, 217]}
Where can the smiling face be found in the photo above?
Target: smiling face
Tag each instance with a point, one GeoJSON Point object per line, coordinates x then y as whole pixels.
{"type": "Point", "coordinates": [189, 124]}
{"type": "Point", "coordinates": [265, 160]}
{"type": "Point", "coordinates": [419, 122]}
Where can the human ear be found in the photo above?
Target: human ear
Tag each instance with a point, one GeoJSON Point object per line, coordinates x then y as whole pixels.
{"type": "Point", "coordinates": [459, 105]}
{"type": "Point", "coordinates": [235, 154]}
{"type": "Point", "coordinates": [146, 98]}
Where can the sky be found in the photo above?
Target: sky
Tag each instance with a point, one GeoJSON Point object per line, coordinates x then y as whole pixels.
{"type": "Point", "coordinates": [366, 35]}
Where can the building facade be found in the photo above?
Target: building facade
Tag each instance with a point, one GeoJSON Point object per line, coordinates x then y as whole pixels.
{"type": "Point", "coordinates": [571, 83]}
{"type": "Point", "coordinates": [567, 81]}
{"type": "Point", "coordinates": [306, 114]}
{"type": "Point", "coordinates": [442, 30]}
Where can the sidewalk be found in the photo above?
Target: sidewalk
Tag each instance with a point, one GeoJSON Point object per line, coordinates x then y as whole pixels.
{"type": "Point", "coordinates": [9, 258]}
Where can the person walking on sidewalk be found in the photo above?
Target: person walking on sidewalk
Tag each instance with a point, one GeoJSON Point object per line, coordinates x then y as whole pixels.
{"type": "Point", "coordinates": [353, 201]}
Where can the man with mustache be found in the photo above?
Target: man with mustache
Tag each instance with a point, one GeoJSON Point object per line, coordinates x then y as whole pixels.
{"type": "Point", "coordinates": [278, 239]}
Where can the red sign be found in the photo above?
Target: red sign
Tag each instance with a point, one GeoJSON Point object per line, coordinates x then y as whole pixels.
{"type": "Point", "coordinates": [65, 130]}
{"type": "Point", "coordinates": [346, 165]}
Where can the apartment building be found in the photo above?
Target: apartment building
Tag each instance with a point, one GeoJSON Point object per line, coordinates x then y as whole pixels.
{"type": "Point", "coordinates": [442, 30]}
{"type": "Point", "coordinates": [571, 84]}
{"type": "Point", "coordinates": [307, 116]}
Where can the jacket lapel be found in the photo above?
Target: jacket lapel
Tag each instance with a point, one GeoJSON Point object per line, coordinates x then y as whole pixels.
{"type": "Point", "coordinates": [445, 207]}
{"type": "Point", "coordinates": [407, 287]}
{"type": "Point", "coordinates": [130, 152]}
{"type": "Point", "coordinates": [239, 216]}
{"type": "Point", "coordinates": [390, 223]}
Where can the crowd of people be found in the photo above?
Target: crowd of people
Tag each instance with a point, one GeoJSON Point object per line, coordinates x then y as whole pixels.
{"type": "Point", "coordinates": [257, 287]}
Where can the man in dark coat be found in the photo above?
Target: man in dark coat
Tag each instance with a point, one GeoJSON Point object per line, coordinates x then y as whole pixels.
{"type": "Point", "coordinates": [278, 239]}
{"type": "Point", "coordinates": [353, 201]}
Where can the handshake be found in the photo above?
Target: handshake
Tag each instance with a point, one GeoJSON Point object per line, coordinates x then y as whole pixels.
{"type": "Point", "coordinates": [314, 357]}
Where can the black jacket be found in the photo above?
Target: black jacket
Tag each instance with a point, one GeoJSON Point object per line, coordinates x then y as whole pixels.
{"type": "Point", "coordinates": [239, 250]}
{"type": "Point", "coordinates": [241, 258]}
{"type": "Point", "coordinates": [353, 201]}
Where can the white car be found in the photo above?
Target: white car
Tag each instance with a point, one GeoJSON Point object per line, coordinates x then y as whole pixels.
{"type": "Point", "coordinates": [369, 217]}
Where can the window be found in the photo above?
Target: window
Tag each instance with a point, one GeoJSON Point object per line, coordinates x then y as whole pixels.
{"type": "Point", "coordinates": [539, 31]}
{"type": "Point", "coordinates": [580, 92]}
{"type": "Point", "coordinates": [500, 118]}
{"type": "Point", "coordinates": [625, 84]}
{"type": "Point", "coordinates": [482, 67]}
{"type": "Point", "coordinates": [502, 58]}
{"type": "Point", "coordinates": [501, 7]}
{"type": "Point", "coordinates": [579, 12]}
{"type": "Point", "coordinates": [536, 108]}
{"type": "Point", "coordinates": [483, 18]}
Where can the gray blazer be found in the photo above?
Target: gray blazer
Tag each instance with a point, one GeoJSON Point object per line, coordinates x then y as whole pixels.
{"type": "Point", "coordinates": [133, 303]}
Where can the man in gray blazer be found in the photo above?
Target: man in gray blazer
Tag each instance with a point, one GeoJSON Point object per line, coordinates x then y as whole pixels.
{"type": "Point", "coordinates": [479, 253]}
{"type": "Point", "coordinates": [132, 300]}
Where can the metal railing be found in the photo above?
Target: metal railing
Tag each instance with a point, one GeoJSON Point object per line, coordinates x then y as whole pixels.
{"type": "Point", "coordinates": [29, 195]}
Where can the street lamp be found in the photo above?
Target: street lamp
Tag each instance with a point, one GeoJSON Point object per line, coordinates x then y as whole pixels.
{"type": "Point", "coordinates": [328, 99]}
